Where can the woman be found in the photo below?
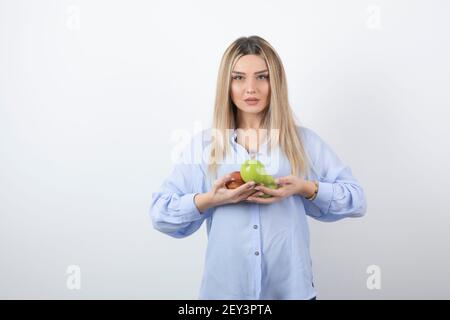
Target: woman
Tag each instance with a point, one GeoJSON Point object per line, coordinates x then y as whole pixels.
{"type": "Point", "coordinates": [258, 237]}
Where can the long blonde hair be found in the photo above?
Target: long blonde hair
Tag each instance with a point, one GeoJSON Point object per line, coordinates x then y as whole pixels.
{"type": "Point", "coordinates": [278, 115]}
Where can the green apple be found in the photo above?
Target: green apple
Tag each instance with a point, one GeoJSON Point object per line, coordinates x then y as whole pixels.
{"type": "Point", "coordinates": [254, 170]}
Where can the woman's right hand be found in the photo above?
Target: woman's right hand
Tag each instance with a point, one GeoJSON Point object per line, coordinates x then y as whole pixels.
{"type": "Point", "coordinates": [220, 195]}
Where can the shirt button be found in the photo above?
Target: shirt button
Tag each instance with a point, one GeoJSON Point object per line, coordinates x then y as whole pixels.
{"type": "Point", "coordinates": [256, 253]}
{"type": "Point", "coordinates": [255, 227]}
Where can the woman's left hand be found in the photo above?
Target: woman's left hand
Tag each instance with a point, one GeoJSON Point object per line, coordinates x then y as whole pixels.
{"type": "Point", "coordinates": [288, 186]}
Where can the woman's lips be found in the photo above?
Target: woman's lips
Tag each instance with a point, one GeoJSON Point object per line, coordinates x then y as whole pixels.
{"type": "Point", "coordinates": [251, 102]}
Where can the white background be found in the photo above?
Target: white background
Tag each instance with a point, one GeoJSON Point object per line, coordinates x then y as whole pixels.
{"type": "Point", "coordinates": [91, 92]}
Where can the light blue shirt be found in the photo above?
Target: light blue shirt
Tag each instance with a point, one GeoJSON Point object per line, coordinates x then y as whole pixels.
{"type": "Point", "coordinates": [256, 251]}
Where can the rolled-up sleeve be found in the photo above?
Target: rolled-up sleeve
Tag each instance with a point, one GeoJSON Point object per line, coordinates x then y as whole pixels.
{"type": "Point", "coordinates": [173, 210]}
{"type": "Point", "coordinates": [340, 194]}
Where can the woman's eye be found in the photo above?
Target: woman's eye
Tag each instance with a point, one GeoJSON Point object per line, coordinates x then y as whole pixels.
{"type": "Point", "coordinates": [259, 77]}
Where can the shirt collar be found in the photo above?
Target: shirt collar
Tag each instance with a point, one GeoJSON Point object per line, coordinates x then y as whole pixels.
{"type": "Point", "coordinates": [233, 136]}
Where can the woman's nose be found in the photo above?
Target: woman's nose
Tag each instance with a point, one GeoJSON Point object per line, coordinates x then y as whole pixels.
{"type": "Point", "coordinates": [251, 87]}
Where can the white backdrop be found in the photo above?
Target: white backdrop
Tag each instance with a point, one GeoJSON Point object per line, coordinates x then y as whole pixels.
{"type": "Point", "coordinates": [92, 91]}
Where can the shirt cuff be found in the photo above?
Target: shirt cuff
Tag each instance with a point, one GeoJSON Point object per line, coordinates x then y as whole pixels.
{"type": "Point", "coordinates": [324, 196]}
{"type": "Point", "coordinates": [188, 205]}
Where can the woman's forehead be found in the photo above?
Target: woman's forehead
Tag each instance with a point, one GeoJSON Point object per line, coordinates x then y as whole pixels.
{"type": "Point", "coordinates": [250, 63]}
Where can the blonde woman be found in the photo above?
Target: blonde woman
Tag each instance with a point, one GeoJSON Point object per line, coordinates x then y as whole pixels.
{"type": "Point", "coordinates": [258, 237]}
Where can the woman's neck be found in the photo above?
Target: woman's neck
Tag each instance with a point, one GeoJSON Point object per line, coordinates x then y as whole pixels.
{"type": "Point", "coordinates": [249, 121]}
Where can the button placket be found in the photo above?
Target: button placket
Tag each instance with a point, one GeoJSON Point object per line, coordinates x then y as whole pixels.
{"type": "Point", "coordinates": [257, 253]}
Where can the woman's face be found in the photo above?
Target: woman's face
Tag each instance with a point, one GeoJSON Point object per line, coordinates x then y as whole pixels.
{"type": "Point", "coordinates": [250, 79]}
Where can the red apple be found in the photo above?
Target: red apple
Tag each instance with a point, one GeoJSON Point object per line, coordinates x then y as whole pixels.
{"type": "Point", "coordinates": [236, 182]}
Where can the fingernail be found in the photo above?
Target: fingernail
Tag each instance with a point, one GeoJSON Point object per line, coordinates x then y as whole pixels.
{"type": "Point", "coordinates": [257, 188]}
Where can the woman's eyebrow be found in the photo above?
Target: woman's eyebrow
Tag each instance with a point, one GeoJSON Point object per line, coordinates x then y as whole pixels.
{"type": "Point", "coordinates": [238, 72]}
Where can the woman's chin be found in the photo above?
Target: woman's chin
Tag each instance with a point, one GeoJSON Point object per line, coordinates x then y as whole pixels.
{"type": "Point", "coordinates": [252, 109]}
